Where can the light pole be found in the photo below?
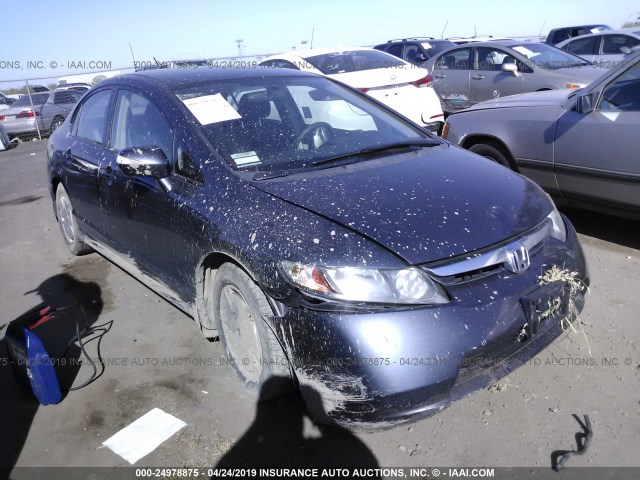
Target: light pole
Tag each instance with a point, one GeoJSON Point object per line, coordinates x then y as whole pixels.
{"type": "Point", "coordinates": [240, 44]}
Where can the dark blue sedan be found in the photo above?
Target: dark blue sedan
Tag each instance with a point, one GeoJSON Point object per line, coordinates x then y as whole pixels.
{"type": "Point", "coordinates": [330, 243]}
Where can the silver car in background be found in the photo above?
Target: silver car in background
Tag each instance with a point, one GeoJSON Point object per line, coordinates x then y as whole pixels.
{"type": "Point", "coordinates": [472, 73]}
{"type": "Point", "coordinates": [581, 146]}
{"type": "Point", "coordinates": [605, 48]}
{"type": "Point", "coordinates": [48, 108]}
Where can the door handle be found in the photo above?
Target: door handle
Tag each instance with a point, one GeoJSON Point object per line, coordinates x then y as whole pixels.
{"type": "Point", "coordinates": [439, 76]}
{"type": "Point", "coordinates": [477, 77]}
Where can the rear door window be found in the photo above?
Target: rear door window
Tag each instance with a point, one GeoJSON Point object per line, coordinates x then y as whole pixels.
{"type": "Point", "coordinates": [66, 97]}
{"type": "Point", "coordinates": [584, 46]}
{"type": "Point", "coordinates": [617, 44]}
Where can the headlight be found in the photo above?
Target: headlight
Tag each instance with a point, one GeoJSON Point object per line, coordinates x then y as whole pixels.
{"type": "Point", "coordinates": [558, 229]}
{"type": "Point", "coordinates": [370, 285]}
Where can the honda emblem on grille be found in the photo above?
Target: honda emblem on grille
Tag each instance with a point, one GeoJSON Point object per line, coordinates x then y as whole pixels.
{"type": "Point", "coordinates": [518, 260]}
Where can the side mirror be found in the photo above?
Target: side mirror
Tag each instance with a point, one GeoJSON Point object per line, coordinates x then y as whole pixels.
{"type": "Point", "coordinates": [584, 104]}
{"type": "Point", "coordinates": [144, 162]}
{"type": "Point", "coordinates": [511, 68]}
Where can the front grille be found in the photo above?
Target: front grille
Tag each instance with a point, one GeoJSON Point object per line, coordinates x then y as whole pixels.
{"type": "Point", "coordinates": [490, 260]}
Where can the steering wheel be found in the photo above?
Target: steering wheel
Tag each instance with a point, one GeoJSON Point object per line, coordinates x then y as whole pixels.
{"type": "Point", "coordinates": [313, 136]}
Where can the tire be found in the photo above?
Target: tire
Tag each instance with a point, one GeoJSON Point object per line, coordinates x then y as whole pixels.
{"type": "Point", "coordinates": [55, 124]}
{"type": "Point", "coordinates": [491, 152]}
{"type": "Point", "coordinates": [68, 223]}
{"type": "Point", "coordinates": [250, 346]}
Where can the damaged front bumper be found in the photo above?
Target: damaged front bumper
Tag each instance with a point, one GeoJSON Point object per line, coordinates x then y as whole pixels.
{"type": "Point", "coordinates": [381, 367]}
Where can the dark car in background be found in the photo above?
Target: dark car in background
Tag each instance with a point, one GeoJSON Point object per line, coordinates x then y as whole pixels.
{"type": "Point", "coordinates": [416, 50]}
{"type": "Point", "coordinates": [475, 72]}
{"type": "Point", "coordinates": [48, 109]}
{"type": "Point", "coordinates": [5, 102]}
{"type": "Point", "coordinates": [581, 146]}
{"type": "Point", "coordinates": [326, 240]}
{"type": "Point", "coordinates": [561, 34]}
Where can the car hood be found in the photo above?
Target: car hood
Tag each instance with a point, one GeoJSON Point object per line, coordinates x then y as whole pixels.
{"type": "Point", "coordinates": [423, 206]}
{"type": "Point", "coordinates": [583, 74]}
{"type": "Point", "coordinates": [548, 98]}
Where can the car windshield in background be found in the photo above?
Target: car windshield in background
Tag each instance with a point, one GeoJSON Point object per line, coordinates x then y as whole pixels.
{"type": "Point", "coordinates": [353, 61]}
{"type": "Point", "coordinates": [286, 124]}
{"type": "Point", "coordinates": [37, 98]}
{"type": "Point", "coordinates": [547, 57]}
{"type": "Point", "coordinates": [433, 48]}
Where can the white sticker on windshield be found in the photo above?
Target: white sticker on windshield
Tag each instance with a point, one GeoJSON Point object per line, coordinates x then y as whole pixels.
{"type": "Point", "coordinates": [524, 51]}
{"type": "Point", "coordinates": [426, 45]}
{"type": "Point", "coordinates": [245, 159]}
{"type": "Point", "coordinates": [211, 109]}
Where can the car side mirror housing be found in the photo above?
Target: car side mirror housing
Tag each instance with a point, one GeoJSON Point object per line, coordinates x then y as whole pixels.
{"type": "Point", "coordinates": [144, 162]}
{"type": "Point", "coordinates": [584, 104]}
{"type": "Point", "coordinates": [511, 68]}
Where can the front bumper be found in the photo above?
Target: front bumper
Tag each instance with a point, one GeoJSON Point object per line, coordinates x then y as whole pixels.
{"type": "Point", "coordinates": [377, 368]}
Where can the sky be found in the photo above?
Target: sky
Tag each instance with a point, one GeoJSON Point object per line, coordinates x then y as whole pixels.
{"type": "Point", "coordinates": [76, 36]}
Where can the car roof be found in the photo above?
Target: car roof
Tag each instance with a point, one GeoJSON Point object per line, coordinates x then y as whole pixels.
{"type": "Point", "coordinates": [417, 39]}
{"type": "Point", "coordinates": [492, 43]}
{"type": "Point", "coordinates": [634, 32]}
{"type": "Point", "coordinates": [588, 25]}
{"type": "Point", "coordinates": [478, 39]}
{"type": "Point", "coordinates": [319, 51]}
{"type": "Point", "coordinates": [173, 77]}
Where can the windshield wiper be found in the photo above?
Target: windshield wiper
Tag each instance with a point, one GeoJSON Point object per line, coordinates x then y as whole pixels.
{"type": "Point", "coordinates": [407, 144]}
{"type": "Point", "coordinates": [268, 175]}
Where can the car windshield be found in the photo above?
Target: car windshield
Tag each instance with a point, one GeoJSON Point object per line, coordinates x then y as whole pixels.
{"type": "Point", "coordinates": [547, 57]}
{"type": "Point", "coordinates": [37, 98]}
{"type": "Point", "coordinates": [267, 124]}
{"type": "Point", "coordinates": [353, 61]}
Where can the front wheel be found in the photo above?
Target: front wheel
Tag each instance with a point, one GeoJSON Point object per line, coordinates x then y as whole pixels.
{"type": "Point", "coordinates": [250, 346]}
{"type": "Point", "coordinates": [68, 224]}
{"type": "Point", "coordinates": [490, 152]}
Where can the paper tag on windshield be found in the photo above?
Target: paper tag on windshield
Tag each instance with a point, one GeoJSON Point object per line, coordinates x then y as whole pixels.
{"type": "Point", "coordinates": [524, 51]}
{"type": "Point", "coordinates": [245, 159]}
{"type": "Point", "coordinates": [211, 109]}
{"type": "Point", "coordinates": [426, 45]}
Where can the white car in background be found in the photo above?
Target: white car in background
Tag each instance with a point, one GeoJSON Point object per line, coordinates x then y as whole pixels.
{"type": "Point", "coordinates": [404, 87]}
